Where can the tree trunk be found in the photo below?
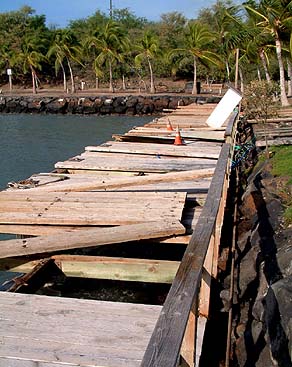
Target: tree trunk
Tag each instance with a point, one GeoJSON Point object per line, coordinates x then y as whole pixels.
{"type": "Point", "coordinates": [228, 71]}
{"type": "Point", "coordinates": [124, 83]}
{"type": "Point", "coordinates": [72, 77]}
{"type": "Point", "coordinates": [284, 99]}
{"type": "Point", "coordinates": [152, 87]}
{"type": "Point", "coordinates": [64, 77]}
{"type": "Point", "coordinates": [241, 80]}
{"type": "Point", "coordinates": [259, 74]}
{"type": "Point", "coordinates": [34, 91]}
{"type": "Point", "coordinates": [265, 66]}
{"type": "Point", "coordinates": [195, 91]}
{"type": "Point", "coordinates": [289, 68]}
{"type": "Point", "coordinates": [96, 83]}
{"type": "Point", "coordinates": [111, 87]}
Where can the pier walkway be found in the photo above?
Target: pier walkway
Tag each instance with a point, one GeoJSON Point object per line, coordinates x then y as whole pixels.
{"type": "Point", "coordinates": [139, 188]}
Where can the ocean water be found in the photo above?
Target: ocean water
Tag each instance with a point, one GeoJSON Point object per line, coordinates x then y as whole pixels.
{"type": "Point", "coordinates": [33, 143]}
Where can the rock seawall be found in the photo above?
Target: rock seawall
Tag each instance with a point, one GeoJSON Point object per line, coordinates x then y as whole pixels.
{"type": "Point", "coordinates": [263, 317]}
{"type": "Point", "coordinates": [100, 105]}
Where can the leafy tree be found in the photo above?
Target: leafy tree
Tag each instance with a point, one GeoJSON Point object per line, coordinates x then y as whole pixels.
{"type": "Point", "coordinates": [31, 58]}
{"type": "Point", "coordinates": [110, 44]}
{"type": "Point", "coordinates": [148, 49]}
{"type": "Point", "coordinates": [197, 39]}
{"type": "Point", "coordinates": [65, 47]}
{"type": "Point", "coordinates": [274, 17]}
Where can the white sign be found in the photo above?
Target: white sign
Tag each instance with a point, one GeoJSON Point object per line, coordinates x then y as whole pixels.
{"type": "Point", "coordinates": [9, 71]}
{"type": "Point", "coordinates": [224, 108]}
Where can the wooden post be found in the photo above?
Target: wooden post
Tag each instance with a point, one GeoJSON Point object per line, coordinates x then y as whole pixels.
{"type": "Point", "coordinates": [188, 349]}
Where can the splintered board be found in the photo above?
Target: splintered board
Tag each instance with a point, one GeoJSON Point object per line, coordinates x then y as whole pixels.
{"type": "Point", "coordinates": [89, 208]}
{"type": "Point", "coordinates": [135, 163]}
{"type": "Point", "coordinates": [55, 331]}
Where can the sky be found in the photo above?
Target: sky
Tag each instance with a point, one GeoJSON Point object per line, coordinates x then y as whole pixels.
{"type": "Point", "coordinates": [60, 12]}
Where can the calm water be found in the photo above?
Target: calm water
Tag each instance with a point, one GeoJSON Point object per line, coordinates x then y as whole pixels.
{"type": "Point", "coordinates": [33, 143]}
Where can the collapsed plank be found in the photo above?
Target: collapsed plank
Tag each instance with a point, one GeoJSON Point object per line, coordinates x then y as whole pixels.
{"type": "Point", "coordinates": [92, 182]}
{"type": "Point", "coordinates": [90, 238]}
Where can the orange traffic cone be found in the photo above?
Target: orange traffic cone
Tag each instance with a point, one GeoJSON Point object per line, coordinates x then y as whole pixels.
{"type": "Point", "coordinates": [169, 126]}
{"type": "Point", "coordinates": [178, 139]}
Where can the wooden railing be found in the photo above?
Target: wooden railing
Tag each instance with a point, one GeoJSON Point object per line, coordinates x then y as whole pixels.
{"type": "Point", "coordinates": [175, 337]}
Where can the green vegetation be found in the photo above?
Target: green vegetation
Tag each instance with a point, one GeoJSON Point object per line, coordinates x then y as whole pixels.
{"type": "Point", "coordinates": [282, 162]}
{"type": "Point", "coordinates": [128, 48]}
{"type": "Point", "coordinates": [282, 167]}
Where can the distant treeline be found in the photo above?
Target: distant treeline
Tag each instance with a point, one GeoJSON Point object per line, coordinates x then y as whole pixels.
{"type": "Point", "coordinates": [125, 47]}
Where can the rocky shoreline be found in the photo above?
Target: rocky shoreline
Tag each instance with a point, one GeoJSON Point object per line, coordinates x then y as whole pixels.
{"type": "Point", "coordinates": [99, 105]}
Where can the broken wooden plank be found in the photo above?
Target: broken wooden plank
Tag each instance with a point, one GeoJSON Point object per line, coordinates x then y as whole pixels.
{"type": "Point", "coordinates": [90, 238]}
{"type": "Point", "coordinates": [90, 182]}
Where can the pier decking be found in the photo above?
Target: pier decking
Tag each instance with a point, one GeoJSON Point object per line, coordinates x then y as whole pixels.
{"type": "Point", "coordinates": [139, 187]}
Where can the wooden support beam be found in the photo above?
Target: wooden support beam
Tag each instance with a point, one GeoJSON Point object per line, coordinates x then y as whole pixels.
{"type": "Point", "coordinates": [100, 267]}
{"type": "Point", "coordinates": [112, 268]}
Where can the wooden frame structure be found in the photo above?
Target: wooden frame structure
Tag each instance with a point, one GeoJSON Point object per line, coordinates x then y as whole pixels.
{"type": "Point", "coordinates": [175, 340]}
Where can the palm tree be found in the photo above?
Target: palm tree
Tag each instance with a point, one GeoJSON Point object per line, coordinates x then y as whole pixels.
{"type": "Point", "coordinates": [31, 57]}
{"type": "Point", "coordinates": [273, 17]}
{"type": "Point", "coordinates": [148, 49]}
{"type": "Point", "coordinates": [110, 45]}
{"type": "Point", "coordinates": [65, 47]}
{"type": "Point", "coordinates": [197, 39]}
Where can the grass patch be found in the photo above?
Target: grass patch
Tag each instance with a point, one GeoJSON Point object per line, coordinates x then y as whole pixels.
{"type": "Point", "coordinates": [282, 161]}
{"type": "Point", "coordinates": [288, 215]}
{"type": "Point", "coordinates": [282, 167]}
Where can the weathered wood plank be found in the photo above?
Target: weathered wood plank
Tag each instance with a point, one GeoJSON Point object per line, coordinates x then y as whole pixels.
{"type": "Point", "coordinates": [111, 268]}
{"type": "Point", "coordinates": [136, 163]}
{"type": "Point", "coordinates": [106, 333]}
{"type": "Point", "coordinates": [213, 135]}
{"type": "Point", "coordinates": [133, 270]}
{"type": "Point", "coordinates": [91, 183]}
{"type": "Point", "coordinates": [158, 149]}
{"type": "Point", "coordinates": [89, 197]}
{"type": "Point", "coordinates": [89, 238]}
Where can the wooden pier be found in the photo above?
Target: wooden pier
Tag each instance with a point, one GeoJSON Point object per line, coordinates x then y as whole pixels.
{"type": "Point", "coordinates": [138, 188]}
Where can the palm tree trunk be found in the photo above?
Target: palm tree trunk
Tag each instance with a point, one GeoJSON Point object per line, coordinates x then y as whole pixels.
{"type": "Point", "coordinates": [124, 83]}
{"type": "Point", "coordinates": [64, 77]}
{"type": "Point", "coordinates": [241, 79]}
{"type": "Point", "coordinates": [265, 66]}
{"type": "Point", "coordinates": [259, 74]}
{"type": "Point", "coordinates": [289, 68]}
{"type": "Point", "coordinates": [152, 87]}
{"type": "Point", "coordinates": [72, 77]}
{"type": "Point", "coordinates": [284, 99]}
{"type": "Point", "coordinates": [227, 70]}
{"type": "Point", "coordinates": [34, 91]}
{"type": "Point", "coordinates": [111, 87]}
{"type": "Point", "coordinates": [195, 91]}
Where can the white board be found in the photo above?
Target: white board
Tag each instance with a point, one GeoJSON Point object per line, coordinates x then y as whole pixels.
{"type": "Point", "coordinates": [224, 108]}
